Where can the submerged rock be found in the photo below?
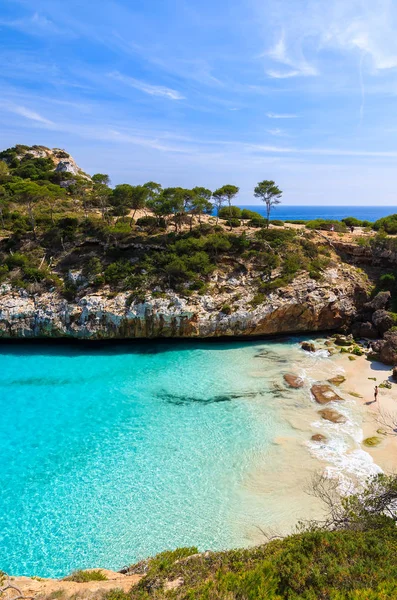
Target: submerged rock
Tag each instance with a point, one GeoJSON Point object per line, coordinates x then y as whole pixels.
{"type": "Point", "coordinates": [337, 380]}
{"type": "Point", "coordinates": [318, 437]}
{"type": "Point", "coordinates": [372, 441]}
{"type": "Point", "coordinates": [308, 347]}
{"type": "Point", "coordinates": [332, 415]}
{"type": "Point", "coordinates": [294, 381]}
{"type": "Point", "coordinates": [343, 340]}
{"type": "Point", "coordinates": [323, 394]}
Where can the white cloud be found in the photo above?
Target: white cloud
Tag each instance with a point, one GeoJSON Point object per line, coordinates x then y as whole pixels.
{"type": "Point", "coordinates": [36, 24]}
{"type": "Point", "coordinates": [277, 132]}
{"type": "Point", "coordinates": [324, 151]}
{"type": "Point", "coordinates": [28, 114]}
{"type": "Point", "coordinates": [291, 57]}
{"type": "Point", "coordinates": [272, 115]}
{"type": "Point", "coordinates": [147, 88]}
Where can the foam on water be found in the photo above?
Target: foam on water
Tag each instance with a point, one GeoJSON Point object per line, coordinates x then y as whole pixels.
{"type": "Point", "coordinates": [108, 456]}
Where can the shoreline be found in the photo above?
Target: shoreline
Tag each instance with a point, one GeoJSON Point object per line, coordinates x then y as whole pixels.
{"type": "Point", "coordinates": [359, 374]}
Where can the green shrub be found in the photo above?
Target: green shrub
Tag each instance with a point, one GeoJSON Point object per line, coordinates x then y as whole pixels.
{"type": "Point", "coordinates": [92, 268]}
{"type": "Point", "coordinates": [387, 281]}
{"type": "Point", "coordinates": [275, 237]}
{"type": "Point", "coordinates": [388, 224]}
{"type": "Point", "coordinates": [250, 214]}
{"type": "Point", "coordinates": [117, 271]}
{"type": "Point", "coordinates": [226, 309]}
{"type": "Point", "coordinates": [257, 222]}
{"type": "Point", "coordinates": [85, 576]}
{"type": "Point", "coordinates": [326, 224]}
{"type": "Point", "coordinates": [233, 223]}
{"type": "Point", "coordinates": [277, 223]}
{"type": "Point", "coordinates": [227, 212]}
{"type": "Point", "coordinates": [353, 222]}
{"type": "Point", "coordinates": [17, 260]}
{"type": "Point", "coordinates": [292, 264]}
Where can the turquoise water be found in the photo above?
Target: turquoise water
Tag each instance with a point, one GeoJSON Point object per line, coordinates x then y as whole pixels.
{"type": "Point", "coordinates": [110, 455]}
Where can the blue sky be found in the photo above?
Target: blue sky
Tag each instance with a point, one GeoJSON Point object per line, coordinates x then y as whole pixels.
{"type": "Point", "coordinates": [208, 92]}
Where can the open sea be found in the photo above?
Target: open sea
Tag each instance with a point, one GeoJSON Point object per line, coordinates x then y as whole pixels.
{"type": "Point", "coordinates": [109, 454]}
{"type": "Point", "coordinates": [364, 213]}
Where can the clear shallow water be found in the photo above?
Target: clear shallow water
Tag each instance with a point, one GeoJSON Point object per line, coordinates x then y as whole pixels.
{"type": "Point", "coordinates": [108, 456]}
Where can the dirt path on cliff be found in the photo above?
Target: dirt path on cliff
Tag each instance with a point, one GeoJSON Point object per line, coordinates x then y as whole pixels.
{"type": "Point", "coordinates": [61, 589]}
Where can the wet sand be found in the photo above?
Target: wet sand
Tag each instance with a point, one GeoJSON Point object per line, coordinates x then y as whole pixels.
{"type": "Point", "coordinates": [359, 379]}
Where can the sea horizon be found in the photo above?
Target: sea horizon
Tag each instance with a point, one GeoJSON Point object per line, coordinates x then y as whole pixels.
{"type": "Point", "coordinates": [308, 212]}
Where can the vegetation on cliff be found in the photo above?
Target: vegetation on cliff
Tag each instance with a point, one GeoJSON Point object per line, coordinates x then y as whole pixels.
{"type": "Point", "coordinates": [63, 229]}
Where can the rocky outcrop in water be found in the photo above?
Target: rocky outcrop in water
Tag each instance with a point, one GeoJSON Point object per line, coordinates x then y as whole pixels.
{"type": "Point", "coordinates": [306, 305]}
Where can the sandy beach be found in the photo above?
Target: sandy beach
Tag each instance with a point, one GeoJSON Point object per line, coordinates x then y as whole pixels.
{"type": "Point", "coordinates": [360, 375]}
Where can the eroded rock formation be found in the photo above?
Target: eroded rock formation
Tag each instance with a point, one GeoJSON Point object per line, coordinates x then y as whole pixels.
{"type": "Point", "coordinates": [305, 305]}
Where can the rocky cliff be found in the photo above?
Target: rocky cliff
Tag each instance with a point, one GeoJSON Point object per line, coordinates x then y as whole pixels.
{"type": "Point", "coordinates": [305, 305]}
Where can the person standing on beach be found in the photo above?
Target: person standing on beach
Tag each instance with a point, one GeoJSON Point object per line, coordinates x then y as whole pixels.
{"type": "Point", "coordinates": [376, 393]}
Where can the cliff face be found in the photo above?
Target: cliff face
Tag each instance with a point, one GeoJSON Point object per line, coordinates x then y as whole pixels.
{"type": "Point", "coordinates": [305, 305]}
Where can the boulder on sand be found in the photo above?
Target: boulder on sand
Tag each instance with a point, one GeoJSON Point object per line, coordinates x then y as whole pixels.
{"type": "Point", "coordinates": [294, 381]}
{"type": "Point", "coordinates": [387, 348]}
{"type": "Point", "coordinates": [337, 380]}
{"type": "Point", "coordinates": [308, 346]}
{"type": "Point", "coordinates": [323, 394]}
{"type": "Point", "coordinates": [332, 415]}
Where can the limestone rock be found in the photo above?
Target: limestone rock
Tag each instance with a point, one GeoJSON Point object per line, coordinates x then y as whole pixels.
{"type": "Point", "coordinates": [364, 330]}
{"type": "Point", "coordinates": [294, 381]}
{"type": "Point", "coordinates": [332, 415]}
{"type": "Point", "coordinates": [388, 349]}
{"type": "Point", "coordinates": [323, 394]}
{"type": "Point", "coordinates": [302, 306]}
{"type": "Point", "coordinates": [383, 321]}
{"type": "Point", "coordinates": [343, 340]}
{"type": "Point", "coordinates": [380, 302]}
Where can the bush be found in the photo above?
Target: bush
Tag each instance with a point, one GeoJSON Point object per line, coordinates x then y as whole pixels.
{"type": "Point", "coordinates": [257, 222]}
{"type": "Point", "coordinates": [118, 271]}
{"type": "Point", "coordinates": [388, 224]}
{"type": "Point", "coordinates": [276, 238]}
{"type": "Point", "coordinates": [226, 212]}
{"type": "Point", "coordinates": [151, 222]}
{"type": "Point", "coordinates": [233, 223]}
{"type": "Point", "coordinates": [326, 224]}
{"type": "Point", "coordinates": [17, 260]}
{"type": "Point", "coordinates": [292, 264]}
{"type": "Point", "coordinates": [387, 281]}
{"type": "Point", "coordinates": [353, 222]}
{"type": "Point", "coordinates": [85, 576]}
{"type": "Point", "coordinates": [277, 223]}
{"type": "Point", "coordinates": [226, 309]}
{"type": "Point", "coordinates": [250, 214]}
